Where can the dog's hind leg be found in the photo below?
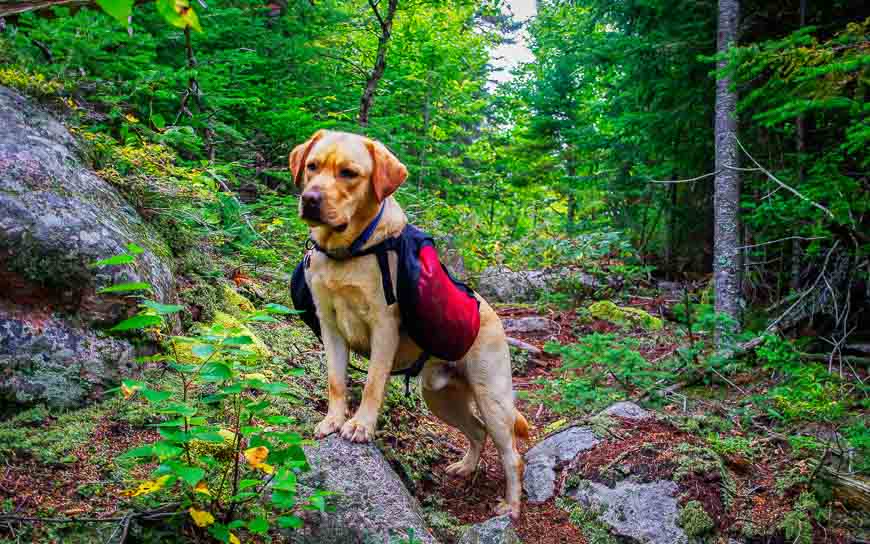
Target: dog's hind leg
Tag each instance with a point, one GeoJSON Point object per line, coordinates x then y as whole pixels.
{"type": "Point", "coordinates": [450, 399]}
{"type": "Point", "coordinates": [487, 369]}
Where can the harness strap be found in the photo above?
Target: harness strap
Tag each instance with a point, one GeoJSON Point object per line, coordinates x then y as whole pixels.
{"type": "Point", "coordinates": [386, 277]}
{"type": "Point", "coordinates": [411, 372]}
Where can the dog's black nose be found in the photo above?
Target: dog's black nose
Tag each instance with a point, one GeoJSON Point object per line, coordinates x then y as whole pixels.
{"type": "Point", "coordinates": [311, 205]}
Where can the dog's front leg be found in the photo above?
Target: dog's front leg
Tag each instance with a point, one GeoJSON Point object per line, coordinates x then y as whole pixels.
{"type": "Point", "coordinates": [384, 343]}
{"type": "Point", "coordinates": [336, 369]}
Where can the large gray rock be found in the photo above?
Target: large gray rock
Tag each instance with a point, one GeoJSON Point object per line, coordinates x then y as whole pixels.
{"type": "Point", "coordinates": [501, 284]}
{"type": "Point", "coordinates": [49, 360]}
{"type": "Point", "coordinates": [644, 512]}
{"type": "Point", "coordinates": [539, 479]}
{"type": "Point", "coordinates": [56, 218]}
{"type": "Point", "coordinates": [497, 530]}
{"type": "Point", "coordinates": [372, 504]}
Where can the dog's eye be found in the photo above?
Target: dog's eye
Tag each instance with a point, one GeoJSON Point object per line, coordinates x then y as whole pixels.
{"type": "Point", "coordinates": [312, 166]}
{"type": "Point", "coordinates": [347, 173]}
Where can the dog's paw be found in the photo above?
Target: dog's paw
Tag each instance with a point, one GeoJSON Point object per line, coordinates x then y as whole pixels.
{"type": "Point", "coordinates": [461, 469]}
{"type": "Point", "coordinates": [329, 425]}
{"type": "Point", "coordinates": [506, 508]}
{"type": "Point", "coordinates": [357, 431]}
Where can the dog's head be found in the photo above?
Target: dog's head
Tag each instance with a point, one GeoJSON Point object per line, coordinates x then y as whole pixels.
{"type": "Point", "coordinates": [340, 175]}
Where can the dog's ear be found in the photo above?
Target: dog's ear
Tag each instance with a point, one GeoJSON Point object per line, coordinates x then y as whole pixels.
{"type": "Point", "coordinates": [387, 173]}
{"type": "Point", "coordinates": [299, 156]}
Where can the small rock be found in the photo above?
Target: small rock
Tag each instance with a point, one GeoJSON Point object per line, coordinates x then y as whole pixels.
{"type": "Point", "coordinates": [497, 530]}
{"type": "Point", "coordinates": [527, 325]}
{"type": "Point", "coordinates": [371, 505]}
{"type": "Point", "coordinates": [644, 512]}
{"type": "Point", "coordinates": [628, 410]}
{"type": "Point", "coordinates": [539, 480]}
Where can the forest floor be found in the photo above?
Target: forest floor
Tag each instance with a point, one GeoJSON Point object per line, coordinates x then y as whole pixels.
{"type": "Point", "coordinates": [751, 480]}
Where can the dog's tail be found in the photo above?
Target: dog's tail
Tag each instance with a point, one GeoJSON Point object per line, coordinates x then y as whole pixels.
{"type": "Point", "coordinates": [521, 426]}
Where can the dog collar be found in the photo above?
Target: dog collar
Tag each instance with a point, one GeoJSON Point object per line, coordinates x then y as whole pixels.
{"type": "Point", "coordinates": [344, 253]}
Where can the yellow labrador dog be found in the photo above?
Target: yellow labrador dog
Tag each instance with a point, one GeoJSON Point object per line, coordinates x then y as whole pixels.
{"type": "Point", "coordinates": [345, 179]}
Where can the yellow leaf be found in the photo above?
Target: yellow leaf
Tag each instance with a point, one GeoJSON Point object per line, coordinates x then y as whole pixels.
{"type": "Point", "coordinates": [146, 487]}
{"type": "Point", "coordinates": [234, 539]}
{"type": "Point", "coordinates": [200, 517]}
{"type": "Point", "coordinates": [256, 456]}
{"type": "Point", "coordinates": [201, 487]}
{"type": "Point", "coordinates": [128, 391]}
{"type": "Point", "coordinates": [268, 469]}
{"type": "Point", "coordinates": [228, 436]}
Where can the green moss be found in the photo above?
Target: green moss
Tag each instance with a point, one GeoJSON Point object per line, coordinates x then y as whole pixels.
{"type": "Point", "coordinates": [608, 311]}
{"type": "Point", "coordinates": [235, 303]}
{"type": "Point", "coordinates": [585, 519]}
{"type": "Point", "coordinates": [37, 434]}
{"type": "Point", "coordinates": [694, 520]}
{"type": "Point", "coordinates": [230, 322]}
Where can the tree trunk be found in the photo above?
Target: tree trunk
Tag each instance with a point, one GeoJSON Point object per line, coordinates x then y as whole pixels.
{"type": "Point", "coordinates": [386, 24]}
{"type": "Point", "coordinates": [801, 135]}
{"type": "Point", "coordinates": [726, 264]}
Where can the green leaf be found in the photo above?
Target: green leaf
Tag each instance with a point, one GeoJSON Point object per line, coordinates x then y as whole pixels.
{"type": "Point", "coordinates": [216, 371]}
{"type": "Point", "coordinates": [191, 475]}
{"type": "Point", "coordinates": [135, 249]}
{"type": "Point", "coordinates": [280, 309]}
{"type": "Point", "coordinates": [130, 286]}
{"type": "Point", "coordinates": [274, 387]}
{"type": "Point", "coordinates": [116, 260]}
{"type": "Point", "coordinates": [289, 522]}
{"type": "Point", "coordinates": [184, 368]}
{"type": "Point", "coordinates": [264, 318]}
{"type": "Point", "coordinates": [138, 322]}
{"type": "Point", "coordinates": [163, 309]}
{"type": "Point", "coordinates": [209, 436]}
{"type": "Point", "coordinates": [238, 341]}
{"type": "Point", "coordinates": [279, 420]}
{"type": "Point", "coordinates": [202, 351]}
{"type": "Point", "coordinates": [141, 451]}
{"type": "Point", "coordinates": [237, 524]}
{"type": "Point", "coordinates": [165, 450]}
{"type": "Point", "coordinates": [245, 484]}
{"type": "Point", "coordinates": [158, 121]}
{"type": "Point", "coordinates": [258, 526]}
{"type": "Point", "coordinates": [155, 396]}
{"type": "Point", "coordinates": [238, 497]}
{"type": "Point", "coordinates": [118, 9]}
{"type": "Point", "coordinates": [177, 408]}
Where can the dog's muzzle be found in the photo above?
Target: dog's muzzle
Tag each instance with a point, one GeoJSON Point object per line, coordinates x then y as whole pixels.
{"type": "Point", "coordinates": [311, 201]}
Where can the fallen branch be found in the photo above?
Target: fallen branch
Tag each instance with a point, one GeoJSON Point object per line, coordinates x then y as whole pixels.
{"type": "Point", "coordinates": [524, 346]}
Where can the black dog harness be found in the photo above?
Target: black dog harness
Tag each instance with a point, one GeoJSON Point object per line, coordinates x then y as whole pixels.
{"type": "Point", "coordinates": [440, 313]}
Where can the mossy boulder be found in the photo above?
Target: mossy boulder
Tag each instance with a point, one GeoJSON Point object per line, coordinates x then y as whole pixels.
{"type": "Point", "coordinates": [627, 316]}
{"type": "Point", "coordinates": [57, 218]}
{"type": "Point", "coordinates": [236, 303]}
{"type": "Point", "coordinates": [183, 350]}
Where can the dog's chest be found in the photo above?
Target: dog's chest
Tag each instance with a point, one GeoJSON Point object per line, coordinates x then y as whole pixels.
{"type": "Point", "coordinates": [349, 296]}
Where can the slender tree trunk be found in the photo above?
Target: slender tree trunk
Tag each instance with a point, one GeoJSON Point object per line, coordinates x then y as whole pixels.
{"type": "Point", "coordinates": [801, 137]}
{"type": "Point", "coordinates": [671, 242]}
{"type": "Point", "coordinates": [386, 24]}
{"type": "Point", "coordinates": [726, 199]}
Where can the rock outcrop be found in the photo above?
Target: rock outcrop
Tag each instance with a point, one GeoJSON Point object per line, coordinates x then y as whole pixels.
{"type": "Point", "coordinates": [539, 480]}
{"type": "Point", "coordinates": [57, 218]}
{"type": "Point", "coordinates": [646, 512]}
{"type": "Point", "coordinates": [501, 284]}
{"type": "Point", "coordinates": [641, 512]}
{"type": "Point", "coordinates": [371, 504]}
